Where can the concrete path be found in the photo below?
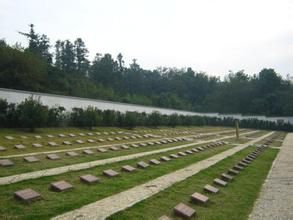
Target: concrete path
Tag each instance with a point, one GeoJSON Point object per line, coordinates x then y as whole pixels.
{"type": "Point", "coordinates": [276, 197]}
{"type": "Point", "coordinates": [113, 204]}
{"type": "Point", "coordinates": [86, 165]}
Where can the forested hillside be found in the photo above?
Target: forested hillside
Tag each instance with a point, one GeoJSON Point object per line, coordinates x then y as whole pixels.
{"type": "Point", "coordinates": [69, 71]}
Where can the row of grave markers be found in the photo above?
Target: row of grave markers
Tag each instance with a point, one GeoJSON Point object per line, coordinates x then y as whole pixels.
{"type": "Point", "coordinates": [53, 156]}
{"type": "Point", "coordinates": [29, 195]}
{"type": "Point", "coordinates": [185, 211]}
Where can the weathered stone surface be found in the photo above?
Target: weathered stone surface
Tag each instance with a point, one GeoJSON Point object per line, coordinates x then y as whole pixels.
{"type": "Point", "coordinates": [98, 133]}
{"type": "Point", "coordinates": [9, 137]}
{"type": "Point", "coordinates": [2, 148]}
{"type": "Point", "coordinates": [89, 179]}
{"type": "Point", "coordinates": [110, 173]}
{"type": "Point", "coordinates": [71, 153]}
{"type": "Point", "coordinates": [88, 152]}
{"type": "Point", "coordinates": [114, 148]}
{"type": "Point", "coordinates": [174, 156]}
{"type": "Point", "coordinates": [154, 161]}
{"type": "Point", "coordinates": [27, 195]}
{"type": "Point", "coordinates": [6, 162]}
{"type": "Point", "coordinates": [220, 182]}
{"type": "Point", "coordinates": [67, 142]}
{"type": "Point", "coordinates": [246, 161]}
{"type": "Point", "coordinates": [110, 139]}
{"type": "Point", "coordinates": [61, 135]}
{"type": "Point", "coordinates": [125, 147]}
{"type": "Point", "coordinates": [102, 150]}
{"type": "Point", "coordinates": [243, 164]}
{"type": "Point", "coordinates": [101, 140]}
{"type": "Point", "coordinates": [90, 134]}
{"type": "Point", "coordinates": [237, 167]}
{"type": "Point", "coordinates": [31, 159]}
{"type": "Point", "coordinates": [23, 137]}
{"type": "Point", "coordinates": [210, 189]}
{"type": "Point", "coordinates": [91, 141]}
{"type": "Point", "coordinates": [37, 145]}
{"type": "Point", "coordinates": [226, 177]}
{"type": "Point", "coordinates": [181, 153]}
{"type": "Point", "coordinates": [200, 198]}
{"type": "Point", "coordinates": [60, 186]}
{"type": "Point", "coordinates": [81, 134]}
{"type": "Point", "coordinates": [52, 144]}
{"type": "Point", "coordinates": [19, 146]}
{"type": "Point", "coordinates": [142, 164]}
{"type": "Point", "coordinates": [128, 168]}
{"type": "Point", "coordinates": [53, 157]}
{"type": "Point", "coordinates": [233, 171]}
{"type": "Point", "coordinates": [165, 158]}
{"type": "Point", "coordinates": [72, 135]}
{"type": "Point", "coordinates": [79, 141]}
{"type": "Point", "coordinates": [50, 136]}
{"type": "Point", "coordinates": [164, 217]}
{"type": "Point", "coordinates": [195, 150]}
{"type": "Point", "coordinates": [134, 145]}
{"type": "Point", "coordinates": [184, 211]}
{"type": "Point", "coordinates": [188, 152]}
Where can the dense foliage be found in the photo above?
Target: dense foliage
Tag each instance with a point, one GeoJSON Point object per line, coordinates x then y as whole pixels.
{"type": "Point", "coordinates": [31, 114]}
{"type": "Point", "coordinates": [68, 71]}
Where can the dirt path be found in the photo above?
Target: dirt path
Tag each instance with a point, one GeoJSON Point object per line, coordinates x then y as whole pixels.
{"type": "Point", "coordinates": [276, 197]}
{"type": "Point", "coordinates": [113, 204]}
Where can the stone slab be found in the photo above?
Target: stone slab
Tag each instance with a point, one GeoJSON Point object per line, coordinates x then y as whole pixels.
{"type": "Point", "coordinates": [200, 198]}
{"type": "Point", "coordinates": [89, 179]}
{"type": "Point", "coordinates": [128, 168]}
{"type": "Point", "coordinates": [27, 195]}
{"type": "Point", "coordinates": [72, 153]}
{"type": "Point", "coordinates": [154, 162]}
{"type": "Point", "coordinates": [19, 146]}
{"type": "Point", "coordinates": [2, 148]}
{"type": "Point", "coordinates": [233, 171]}
{"type": "Point", "coordinates": [53, 157]}
{"type": "Point", "coordinates": [210, 189]}
{"type": "Point", "coordinates": [184, 211]}
{"type": "Point", "coordinates": [142, 164]}
{"type": "Point", "coordinates": [88, 152]}
{"type": "Point", "coordinates": [60, 186]}
{"type": "Point", "coordinates": [220, 182]}
{"type": "Point", "coordinates": [174, 156]}
{"type": "Point", "coordinates": [52, 144]}
{"type": "Point", "coordinates": [37, 145]}
{"type": "Point", "coordinates": [31, 159]}
{"type": "Point", "coordinates": [226, 177]}
{"type": "Point", "coordinates": [102, 150]}
{"type": "Point", "coordinates": [6, 163]}
{"type": "Point", "coordinates": [165, 158]}
{"type": "Point", "coordinates": [110, 173]}
{"type": "Point", "coordinates": [67, 143]}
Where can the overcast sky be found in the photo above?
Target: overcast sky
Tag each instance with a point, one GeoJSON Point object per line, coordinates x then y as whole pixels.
{"type": "Point", "coordinates": [208, 35]}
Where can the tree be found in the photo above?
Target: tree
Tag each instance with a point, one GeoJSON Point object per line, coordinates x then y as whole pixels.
{"type": "Point", "coordinates": [32, 113]}
{"type": "Point", "coordinates": [130, 120]}
{"type": "Point", "coordinates": [81, 52]}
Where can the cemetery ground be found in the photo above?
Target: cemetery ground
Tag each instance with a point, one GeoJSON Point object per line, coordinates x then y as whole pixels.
{"type": "Point", "coordinates": [190, 144]}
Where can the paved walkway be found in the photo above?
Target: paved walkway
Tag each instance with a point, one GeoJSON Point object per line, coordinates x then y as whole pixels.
{"type": "Point", "coordinates": [118, 202]}
{"type": "Point", "coordinates": [276, 197]}
{"type": "Point", "coordinates": [81, 166]}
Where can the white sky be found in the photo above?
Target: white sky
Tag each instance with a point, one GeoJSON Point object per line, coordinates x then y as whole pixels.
{"type": "Point", "coordinates": [208, 35]}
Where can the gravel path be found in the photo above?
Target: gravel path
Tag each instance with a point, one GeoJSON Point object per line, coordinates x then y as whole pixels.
{"type": "Point", "coordinates": [113, 204]}
{"type": "Point", "coordinates": [81, 166]}
{"type": "Point", "coordinates": [276, 197]}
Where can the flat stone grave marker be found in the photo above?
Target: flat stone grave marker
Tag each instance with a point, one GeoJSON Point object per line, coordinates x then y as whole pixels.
{"type": "Point", "coordinates": [246, 161]}
{"type": "Point", "coordinates": [79, 141]}
{"type": "Point", "coordinates": [110, 139]}
{"type": "Point", "coordinates": [174, 156]}
{"type": "Point", "coordinates": [181, 153]}
{"type": "Point", "coordinates": [67, 143]}
{"type": "Point", "coordinates": [142, 144]}
{"type": "Point", "coordinates": [60, 186]}
{"type": "Point", "coordinates": [98, 133]}
{"type": "Point", "coordinates": [220, 182]}
{"type": "Point", "coordinates": [150, 143]}
{"type": "Point", "coordinates": [133, 137]}
{"type": "Point", "coordinates": [61, 135]}
{"type": "Point", "coordinates": [233, 171]}
{"type": "Point", "coordinates": [81, 134]}
{"type": "Point", "coordinates": [31, 159]}
{"type": "Point", "coordinates": [164, 141]}
{"type": "Point", "coordinates": [226, 177]}
{"type": "Point", "coordinates": [102, 150]}
{"type": "Point", "coordinates": [200, 148]}
{"type": "Point", "coordinates": [2, 148]}
{"type": "Point", "coordinates": [91, 141]}
{"type": "Point", "coordinates": [243, 164]}
{"type": "Point", "coordinates": [134, 145]}
{"type": "Point", "coordinates": [110, 173]}
{"type": "Point", "coordinates": [52, 144]}
{"type": "Point", "coordinates": [88, 152]}
{"type": "Point", "coordinates": [53, 157]}
{"type": "Point", "coordinates": [142, 164]}
{"type": "Point", "coordinates": [200, 198]}
{"type": "Point", "coordinates": [27, 195]}
{"type": "Point", "coordinates": [6, 162]}
{"type": "Point", "coordinates": [112, 132]}
{"type": "Point", "coordinates": [118, 138]}
{"type": "Point", "coordinates": [184, 211]}
{"type": "Point", "coordinates": [158, 142]}
{"type": "Point", "coordinates": [106, 133]}
{"type": "Point", "coordinates": [165, 158]}
{"type": "Point", "coordinates": [128, 168]}
{"type": "Point", "coordinates": [23, 137]}
{"type": "Point", "coordinates": [170, 141]}
{"type": "Point", "coordinates": [237, 167]}
{"type": "Point", "coordinates": [37, 145]}
{"type": "Point", "coordinates": [195, 150]}
{"type": "Point", "coordinates": [188, 152]}
{"type": "Point", "coordinates": [126, 138]}
{"type": "Point", "coordinates": [154, 161]}
{"type": "Point", "coordinates": [114, 148]}
{"type": "Point", "coordinates": [50, 136]}
{"type": "Point", "coordinates": [71, 153]}
{"type": "Point", "coordinates": [89, 179]}
{"type": "Point", "coordinates": [210, 189]}
{"type": "Point", "coordinates": [72, 135]}
{"type": "Point", "coordinates": [164, 217]}
{"type": "Point", "coordinates": [125, 147]}
{"type": "Point", "coordinates": [19, 146]}
{"type": "Point", "coordinates": [101, 140]}
{"type": "Point", "coordinates": [90, 134]}
{"type": "Point", "coordinates": [9, 137]}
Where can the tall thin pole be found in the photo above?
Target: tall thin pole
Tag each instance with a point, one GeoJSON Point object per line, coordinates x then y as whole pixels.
{"type": "Point", "coordinates": [237, 128]}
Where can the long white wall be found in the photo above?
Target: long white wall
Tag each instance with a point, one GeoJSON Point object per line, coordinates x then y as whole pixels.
{"type": "Point", "coordinates": [68, 102]}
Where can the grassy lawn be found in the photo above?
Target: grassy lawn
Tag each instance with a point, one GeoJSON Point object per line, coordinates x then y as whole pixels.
{"type": "Point", "coordinates": [232, 202]}
{"type": "Point", "coordinates": [56, 203]}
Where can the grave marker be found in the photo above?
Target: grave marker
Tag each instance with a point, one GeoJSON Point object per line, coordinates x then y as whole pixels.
{"type": "Point", "coordinates": [89, 179]}
{"type": "Point", "coordinates": [71, 153]}
{"type": "Point", "coordinates": [52, 144]}
{"type": "Point", "coordinates": [165, 158]}
{"type": "Point", "coordinates": [27, 195]}
{"type": "Point", "coordinates": [200, 198]}
{"type": "Point", "coordinates": [50, 136]}
{"type": "Point", "coordinates": [102, 150]}
{"type": "Point", "coordinates": [37, 145]}
{"type": "Point", "coordinates": [79, 141]}
{"type": "Point", "coordinates": [113, 148]}
{"type": "Point", "coordinates": [226, 177]}
{"type": "Point", "coordinates": [61, 135]}
{"type": "Point", "coordinates": [6, 163]}
{"type": "Point", "coordinates": [2, 148]}
{"type": "Point", "coordinates": [19, 146]}
{"type": "Point", "coordinates": [60, 186]}
{"type": "Point", "coordinates": [88, 152]}
{"type": "Point", "coordinates": [31, 159]}
{"type": "Point", "coordinates": [142, 164]}
{"type": "Point", "coordinates": [67, 143]}
{"type": "Point", "coordinates": [72, 135]}
{"type": "Point", "coordinates": [233, 171]}
{"type": "Point", "coordinates": [9, 137]}
{"type": "Point", "coordinates": [110, 173]}
{"type": "Point", "coordinates": [174, 156]}
{"type": "Point", "coordinates": [128, 168]}
{"type": "Point", "coordinates": [53, 157]}
{"type": "Point", "coordinates": [154, 161]}
{"type": "Point", "coordinates": [220, 182]}
{"type": "Point", "coordinates": [210, 189]}
{"type": "Point", "coordinates": [184, 211]}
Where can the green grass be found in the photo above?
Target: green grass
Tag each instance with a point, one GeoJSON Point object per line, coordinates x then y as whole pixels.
{"type": "Point", "coordinates": [233, 202]}
{"type": "Point", "coordinates": [56, 203]}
